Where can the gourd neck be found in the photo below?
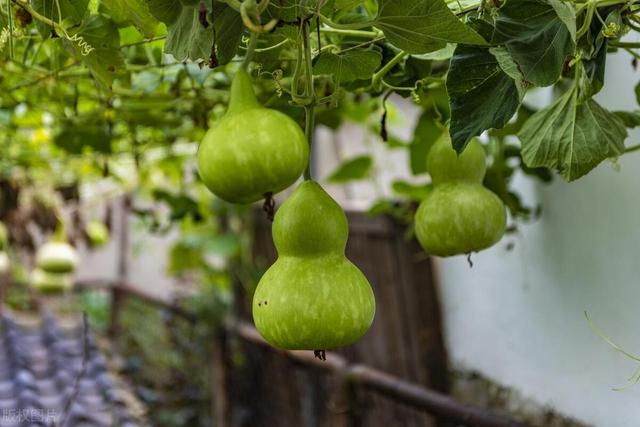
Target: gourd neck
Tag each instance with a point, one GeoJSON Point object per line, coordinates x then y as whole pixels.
{"type": "Point", "coordinates": [242, 96]}
{"type": "Point", "coordinates": [60, 233]}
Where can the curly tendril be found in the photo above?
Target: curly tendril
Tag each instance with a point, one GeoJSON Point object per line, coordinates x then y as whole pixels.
{"type": "Point", "coordinates": [85, 47]}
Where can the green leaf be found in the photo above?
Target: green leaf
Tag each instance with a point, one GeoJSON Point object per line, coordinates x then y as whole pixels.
{"type": "Point", "coordinates": [134, 11]}
{"type": "Point", "coordinates": [187, 38]}
{"type": "Point", "coordinates": [339, 5]}
{"type": "Point", "coordinates": [422, 26]}
{"type": "Point", "coordinates": [594, 69]}
{"type": "Point", "coordinates": [482, 95]}
{"type": "Point", "coordinates": [288, 10]}
{"type": "Point", "coordinates": [572, 136]}
{"type": "Point", "coordinates": [166, 11]}
{"type": "Point", "coordinates": [438, 55]}
{"type": "Point", "coordinates": [567, 15]}
{"type": "Point", "coordinates": [352, 169]}
{"type": "Point", "coordinates": [74, 138]}
{"type": "Point", "coordinates": [508, 65]}
{"type": "Point", "coordinates": [181, 205]}
{"type": "Point", "coordinates": [228, 30]}
{"type": "Point", "coordinates": [417, 192]}
{"type": "Point", "coordinates": [73, 10]}
{"type": "Point", "coordinates": [539, 34]}
{"type": "Point", "coordinates": [105, 61]}
{"type": "Point", "coordinates": [631, 119]}
{"type": "Point", "coordinates": [349, 66]}
{"type": "Point", "coordinates": [225, 245]}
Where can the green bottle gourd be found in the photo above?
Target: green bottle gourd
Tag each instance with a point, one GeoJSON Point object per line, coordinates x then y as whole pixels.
{"type": "Point", "coordinates": [98, 233]}
{"type": "Point", "coordinates": [50, 283]}
{"type": "Point", "coordinates": [57, 255]}
{"type": "Point", "coordinates": [312, 297]}
{"type": "Point", "coordinates": [459, 215]}
{"type": "Point", "coordinates": [251, 151]}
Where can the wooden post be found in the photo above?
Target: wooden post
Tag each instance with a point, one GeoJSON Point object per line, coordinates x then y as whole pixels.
{"type": "Point", "coordinates": [343, 401]}
{"type": "Point", "coordinates": [117, 296]}
{"type": "Point", "coordinates": [4, 286]}
{"type": "Point", "coordinates": [218, 376]}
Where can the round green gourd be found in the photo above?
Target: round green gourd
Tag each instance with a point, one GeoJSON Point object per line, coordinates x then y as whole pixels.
{"type": "Point", "coordinates": [459, 218]}
{"type": "Point", "coordinates": [98, 233]}
{"type": "Point", "coordinates": [459, 215]}
{"type": "Point", "coordinates": [312, 297]}
{"type": "Point", "coordinates": [57, 257]}
{"type": "Point", "coordinates": [251, 151]}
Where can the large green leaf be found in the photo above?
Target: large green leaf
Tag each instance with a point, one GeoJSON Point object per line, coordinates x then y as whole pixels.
{"type": "Point", "coordinates": [135, 11]}
{"type": "Point", "coordinates": [349, 66]}
{"type": "Point", "coordinates": [339, 5]}
{"type": "Point", "coordinates": [75, 137]}
{"type": "Point", "coordinates": [481, 94]}
{"type": "Point", "coordinates": [228, 32]}
{"type": "Point", "coordinates": [540, 35]}
{"type": "Point", "coordinates": [572, 135]}
{"type": "Point", "coordinates": [166, 11]}
{"type": "Point", "coordinates": [187, 38]}
{"type": "Point", "coordinates": [352, 169]}
{"type": "Point", "coordinates": [105, 61]}
{"type": "Point", "coordinates": [421, 26]}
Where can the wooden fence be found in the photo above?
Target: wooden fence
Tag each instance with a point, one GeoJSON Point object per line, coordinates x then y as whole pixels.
{"type": "Point", "coordinates": [396, 376]}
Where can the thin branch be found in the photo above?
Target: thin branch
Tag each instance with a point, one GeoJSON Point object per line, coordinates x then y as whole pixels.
{"type": "Point", "coordinates": [632, 148]}
{"type": "Point", "coordinates": [145, 41]}
{"type": "Point", "coordinates": [351, 33]}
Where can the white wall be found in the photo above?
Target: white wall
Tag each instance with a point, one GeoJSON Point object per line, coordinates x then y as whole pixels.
{"type": "Point", "coordinates": [517, 316]}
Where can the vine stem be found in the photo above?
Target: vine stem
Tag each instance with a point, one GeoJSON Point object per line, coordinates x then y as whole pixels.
{"type": "Point", "coordinates": [309, 126]}
{"type": "Point", "coordinates": [10, 22]}
{"type": "Point", "coordinates": [631, 45]}
{"type": "Point", "coordinates": [253, 40]}
{"type": "Point", "coordinates": [375, 79]}
{"type": "Point", "coordinates": [272, 47]}
{"type": "Point", "coordinates": [145, 41]}
{"type": "Point", "coordinates": [632, 148]}
{"type": "Point", "coordinates": [352, 26]}
{"type": "Point", "coordinates": [352, 33]}
{"type": "Point", "coordinates": [309, 109]}
{"type": "Point", "coordinates": [307, 60]}
{"type": "Point", "coordinates": [26, 6]}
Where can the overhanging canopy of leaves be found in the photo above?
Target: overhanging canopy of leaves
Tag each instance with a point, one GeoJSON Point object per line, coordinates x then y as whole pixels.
{"type": "Point", "coordinates": [99, 81]}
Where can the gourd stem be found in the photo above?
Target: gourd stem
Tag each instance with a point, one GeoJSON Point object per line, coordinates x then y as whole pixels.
{"type": "Point", "coordinates": [309, 92]}
{"type": "Point", "coordinates": [309, 125]}
{"type": "Point", "coordinates": [60, 233]}
{"type": "Point", "coordinates": [253, 40]}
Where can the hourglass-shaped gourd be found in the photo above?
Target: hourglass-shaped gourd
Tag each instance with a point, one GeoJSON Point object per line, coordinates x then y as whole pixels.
{"type": "Point", "coordinates": [459, 215]}
{"type": "Point", "coordinates": [312, 297]}
{"type": "Point", "coordinates": [56, 261]}
{"type": "Point", "coordinates": [252, 151]}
